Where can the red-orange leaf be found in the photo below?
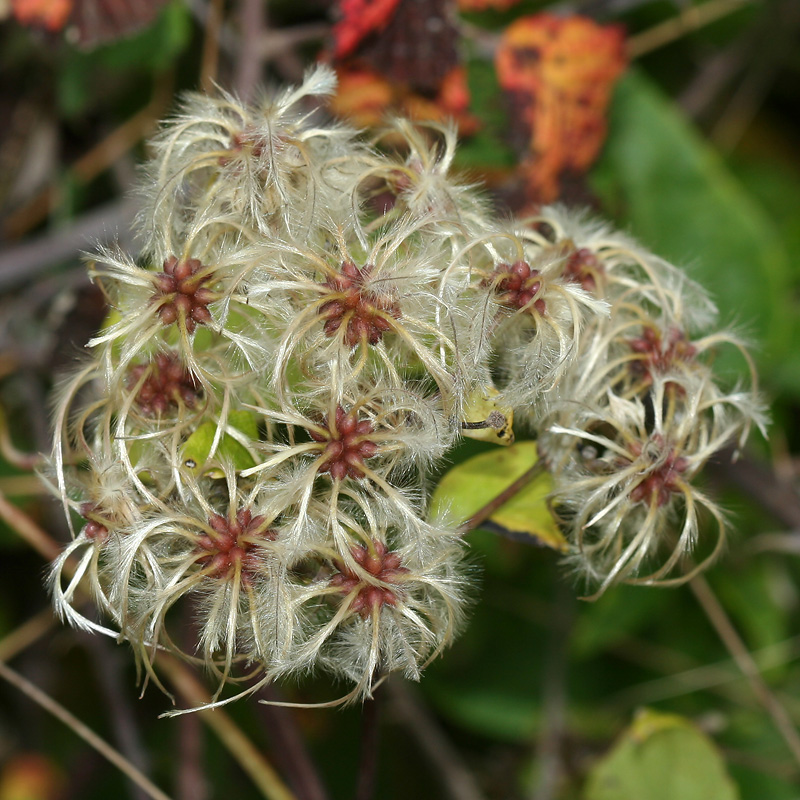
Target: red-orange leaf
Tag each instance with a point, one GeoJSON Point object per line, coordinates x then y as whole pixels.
{"type": "Point", "coordinates": [49, 14]}
{"type": "Point", "coordinates": [362, 97]}
{"type": "Point", "coordinates": [367, 99]}
{"type": "Point", "coordinates": [560, 72]}
{"type": "Point", "coordinates": [482, 5]}
{"type": "Point", "coordinates": [359, 19]}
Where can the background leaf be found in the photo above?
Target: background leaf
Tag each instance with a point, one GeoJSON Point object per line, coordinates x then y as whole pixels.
{"type": "Point", "coordinates": [676, 195]}
{"type": "Point", "coordinates": [661, 757]}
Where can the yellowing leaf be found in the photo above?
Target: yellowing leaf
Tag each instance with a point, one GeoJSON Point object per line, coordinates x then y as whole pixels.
{"type": "Point", "coordinates": [242, 430]}
{"type": "Point", "coordinates": [468, 487]}
{"type": "Point", "coordinates": [661, 757]}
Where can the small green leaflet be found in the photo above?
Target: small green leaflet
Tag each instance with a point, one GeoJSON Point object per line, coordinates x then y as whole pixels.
{"type": "Point", "coordinates": [661, 757]}
{"type": "Point", "coordinates": [469, 486]}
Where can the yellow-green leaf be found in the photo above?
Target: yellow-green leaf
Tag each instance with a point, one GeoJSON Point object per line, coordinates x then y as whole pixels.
{"type": "Point", "coordinates": [469, 486]}
{"type": "Point", "coordinates": [661, 757]}
{"type": "Point", "coordinates": [241, 431]}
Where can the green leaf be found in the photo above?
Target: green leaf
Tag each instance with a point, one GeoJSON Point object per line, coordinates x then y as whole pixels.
{"type": "Point", "coordinates": [242, 425]}
{"type": "Point", "coordinates": [661, 757]}
{"type": "Point", "coordinates": [615, 616]}
{"type": "Point", "coordinates": [469, 486]}
{"type": "Point", "coordinates": [777, 187]}
{"type": "Point", "coordinates": [677, 195]}
{"type": "Point", "coordinates": [487, 148]}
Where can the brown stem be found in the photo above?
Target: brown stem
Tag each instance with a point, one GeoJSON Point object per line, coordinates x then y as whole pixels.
{"type": "Point", "coordinates": [252, 22]}
{"type": "Point", "coordinates": [107, 669]}
{"type": "Point", "coordinates": [26, 634]}
{"type": "Point", "coordinates": [688, 20]}
{"type": "Point", "coordinates": [191, 781]}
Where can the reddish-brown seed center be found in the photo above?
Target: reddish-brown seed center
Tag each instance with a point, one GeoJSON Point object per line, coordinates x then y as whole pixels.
{"type": "Point", "coordinates": [517, 286]}
{"type": "Point", "coordinates": [347, 444]}
{"type": "Point", "coordinates": [363, 313]}
{"type": "Point", "coordinates": [242, 142]}
{"type": "Point", "coordinates": [662, 481]}
{"type": "Point", "coordinates": [97, 524]}
{"type": "Point", "coordinates": [234, 541]}
{"type": "Point", "coordinates": [658, 354]}
{"type": "Point", "coordinates": [584, 267]}
{"type": "Point", "coordinates": [167, 384]}
{"type": "Point", "coordinates": [380, 563]}
{"type": "Point", "coordinates": [181, 293]}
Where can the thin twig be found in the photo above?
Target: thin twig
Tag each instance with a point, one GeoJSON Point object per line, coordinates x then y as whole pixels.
{"type": "Point", "coordinates": [22, 637]}
{"type": "Point", "coordinates": [776, 496]}
{"type": "Point", "coordinates": [691, 18]}
{"type": "Point", "coordinates": [17, 458]}
{"type": "Point", "coordinates": [484, 513]}
{"type": "Point", "coordinates": [123, 720]}
{"type": "Point", "coordinates": [290, 750]}
{"type": "Point", "coordinates": [82, 730]}
{"type": "Point", "coordinates": [238, 745]}
{"type": "Point", "coordinates": [210, 59]}
{"type": "Point", "coordinates": [22, 486]}
{"type": "Point", "coordinates": [37, 538]}
{"type": "Point", "coordinates": [20, 264]}
{"type": "Point", "coordinates": [249, 63]}
{"type": "Point", "coordinates": [744, 660]}
{"type": "Point", "coordinates": [368, 761]}
{"type": "Point", "coordinates": [683, 679]}
{"type": "Point", "coordinates": [775, 47]}
{"type": "Point", "coordinates": [458, 781]}
{"type": "Point", "coordinates": [554, 690]}
{"type": "Point", "coordinates": [191, 779]}
{"type": "Point", "coordinates": [275, 42]}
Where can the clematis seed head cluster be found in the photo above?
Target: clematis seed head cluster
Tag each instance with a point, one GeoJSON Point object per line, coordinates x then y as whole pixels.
{"type": "Point", "coordinates": [311, 323]}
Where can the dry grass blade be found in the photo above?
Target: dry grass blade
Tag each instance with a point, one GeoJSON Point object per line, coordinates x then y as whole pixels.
{"type": "Point", "coordinates": [690, 19]}
{"type": "Point", "coordinates": [82, 730]}
{"type": "Point", "coordinates": [744, 660]}
{"type": "Point", "coordinates": [240, 747]}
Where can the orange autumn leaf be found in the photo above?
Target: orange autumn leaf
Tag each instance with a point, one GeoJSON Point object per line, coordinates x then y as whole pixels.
{"type": "Point", "coordinates": [359, 19]}
{"type": "Point", "coordinates": [451, 102]}
{"type": "Point", "coordinates": [49, 14]}
{"type": "Point", "coordinates": [362, 97]}
{"type": "Point", "coordinates": [366, 99]}
{"type": "Point", "coordinates": [30, 776]}
{"type": "Point", "coordinates": [560, 72]}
